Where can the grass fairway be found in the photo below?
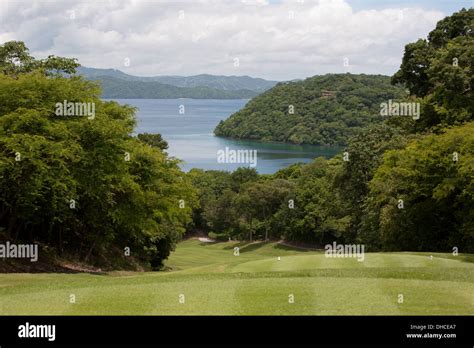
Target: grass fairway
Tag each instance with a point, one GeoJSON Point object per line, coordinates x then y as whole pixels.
{"type": "Point", "coordinates": [215, 282]}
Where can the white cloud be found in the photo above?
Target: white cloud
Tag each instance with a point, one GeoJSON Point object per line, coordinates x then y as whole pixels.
{"type": "Point", "coordinates": [276, 41]}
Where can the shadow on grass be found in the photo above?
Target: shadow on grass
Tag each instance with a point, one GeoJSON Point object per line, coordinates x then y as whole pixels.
{"type": "Point", "coordinates": [285, 247]}
{"type": "Point", "coordinates": [208, 243]}
{"type": "Point", "coordinates": [247, 246]}
{"type": "Point", "coordinates": [252, 246]}
{"type": "Point", "coordinates": [460, 257]}
{"type": "Point", "coordinates": [467, 258]}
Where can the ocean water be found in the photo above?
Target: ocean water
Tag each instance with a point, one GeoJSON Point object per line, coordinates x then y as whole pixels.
{"type": "Point", "coordinates": [187, 125]}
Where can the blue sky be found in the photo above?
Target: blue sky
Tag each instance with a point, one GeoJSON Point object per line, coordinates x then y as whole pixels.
{"type": "Point", "coordinates": [446, 6]}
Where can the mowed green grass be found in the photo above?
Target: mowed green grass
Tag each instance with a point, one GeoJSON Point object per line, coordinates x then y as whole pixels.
{"type": "Point", "coordinates": [213, 281]}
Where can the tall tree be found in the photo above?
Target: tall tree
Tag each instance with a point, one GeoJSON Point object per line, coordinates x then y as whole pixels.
{"type": "Point", "coordinates": [422, 197]}
{"type": "Point", "coordinates": [82, 185]}
{"type": "Point", "coordinates": [15, 59]}
{"type": "Point", "coordinates": [439, 71]}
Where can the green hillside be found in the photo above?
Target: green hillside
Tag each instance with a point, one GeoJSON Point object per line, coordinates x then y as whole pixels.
{"type": "Point", "coordinates": [227, 83]}
{"type": "Point", "coordinates": [117, 84]}
{"type": "Point", "coordinates": [320, 110]}
{"type": "Point", "coordinates": [118, 88]}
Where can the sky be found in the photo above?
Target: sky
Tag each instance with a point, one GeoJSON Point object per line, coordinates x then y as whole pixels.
{"type": "Point", "coordinates": [271, 39]}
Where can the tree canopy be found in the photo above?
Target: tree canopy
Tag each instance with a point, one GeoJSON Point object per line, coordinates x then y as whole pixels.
{"type": "Point", "coordinates": [78, 185]}
{"type": "Point", "coordinates": [15, 59]}
{"type": "Point", "coordinates": [438, 70]}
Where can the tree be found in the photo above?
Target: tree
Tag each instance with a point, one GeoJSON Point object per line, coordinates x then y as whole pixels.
{"type": "Point", "coordinates": [15, 60]}
{"type": "Point", "coordinates": [241, 176]}
{"type": "Point", "coordinates": [153, 140]}
{"type": "Point", "coordinates": [364, 155]}
{"type": "Point", "coordinates": [412, 72]}
{"type": "Point", "coordinates": [244, 203]}
{"type": "Point", "coordinates": [209, 185]}
{"type": "Point", "coordinates": [220, 213]}
{"type": "Point", "coordinates": [266, 198]}
{"type": "Point", "coordinates": [450, 72]}
{"type": "Point", "coordinates": [83, 186]}
{"type": "Point", "coordinates": [318, 214]}
{"type": "Point", "coordinates": [439, 71]}
{"type": "Point", "coordinates": [422, 197]}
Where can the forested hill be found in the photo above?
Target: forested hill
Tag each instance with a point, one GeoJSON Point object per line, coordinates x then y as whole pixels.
{"type": "Point", "coordinates": [117, 84]}
{"type": "Point", "coordinates": [320, 110]}
{"type": "Point", "coordinates": [227, 83]}
{"type": "Point", "coordinates": [118, 88]}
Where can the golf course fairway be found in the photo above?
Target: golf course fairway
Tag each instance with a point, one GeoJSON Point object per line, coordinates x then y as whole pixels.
{"type": "Point", "coordinates": [263, 279]}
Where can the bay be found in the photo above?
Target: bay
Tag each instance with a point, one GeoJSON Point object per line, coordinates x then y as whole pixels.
{"type": "Point", "coordinates": [189, 134]}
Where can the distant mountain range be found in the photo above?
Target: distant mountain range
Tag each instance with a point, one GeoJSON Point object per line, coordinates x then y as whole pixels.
{"type": "Point", "coordinates": [117, 84]}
